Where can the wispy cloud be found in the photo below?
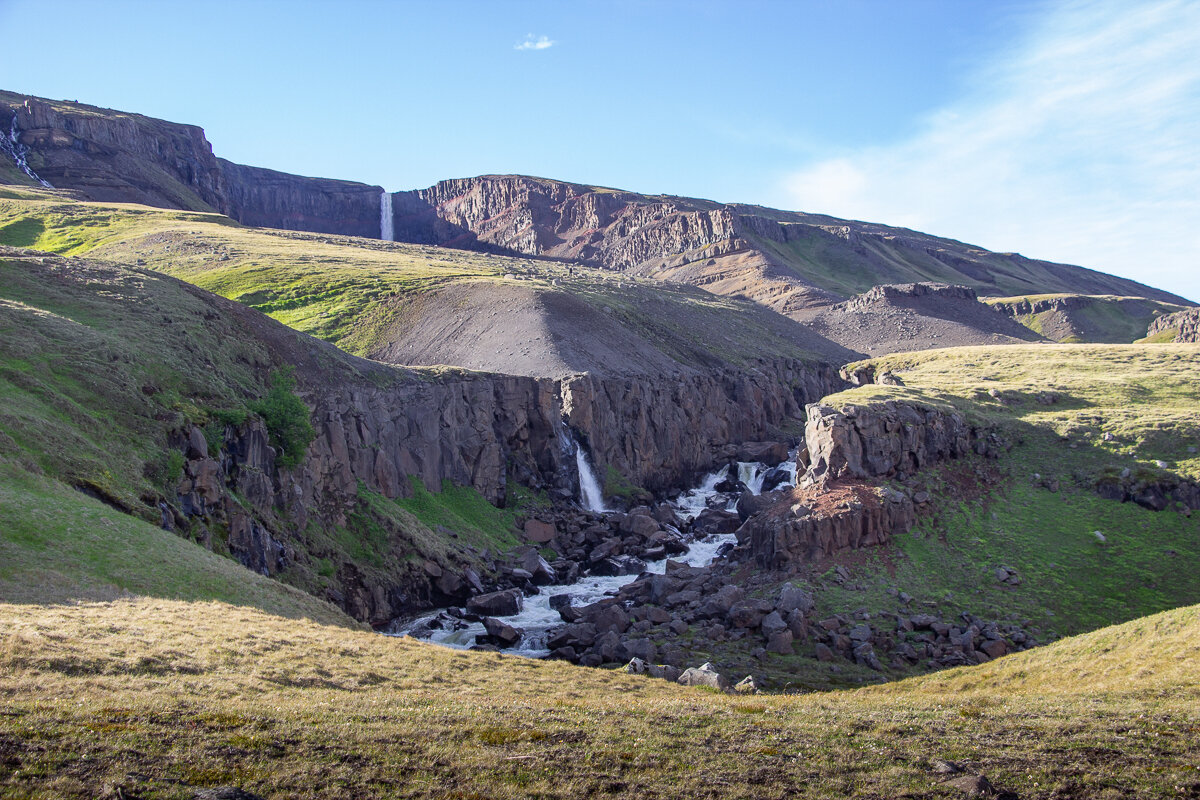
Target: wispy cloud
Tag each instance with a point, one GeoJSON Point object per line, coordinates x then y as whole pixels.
{"type": "Point", "coordinates": [538, 43]}
{"type": "Point", "coordinates": [1080, 144]}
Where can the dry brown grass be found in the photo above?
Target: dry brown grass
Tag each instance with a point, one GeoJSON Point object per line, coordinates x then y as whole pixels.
{"type": "Point", "coordinates": [157, 697]}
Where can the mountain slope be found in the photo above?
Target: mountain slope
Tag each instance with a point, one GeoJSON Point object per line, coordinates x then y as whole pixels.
{"type": "Point", "coordinates": [785, 260]}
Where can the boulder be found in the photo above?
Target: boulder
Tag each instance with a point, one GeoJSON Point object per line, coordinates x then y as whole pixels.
{"type": "Point", "coordinates": [776, 477]}
{"type": "Point", "coordinates": [746, 685]}
{"type": "Point", "coordinates": [715, 521]}
{"type": "Point", "coordinates": [794, 599]}
{"type": "Point", "coordinates": [704, 675]}
{"type": "Point", "coordinates": [496, 604]}
{"type": "Point", "coordinates": [773, 623]}
{"type": "Point", "coordinates": [500, 633]}
{"type": "Point", "coordinates": [780, 642]}
{"type": "Point", "coordinates": [539, 532]}
{"type": "Point", "coordinates": [749, 504]}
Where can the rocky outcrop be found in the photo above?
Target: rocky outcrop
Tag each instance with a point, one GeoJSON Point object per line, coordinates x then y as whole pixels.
{"type": "Point", "coordinates": [888, 439]}
{"type": "Point", "coordinates": [1074, 318]}
{"type": "Point", "coordinates": [1184, 324]}
{"type": "Point", "coordinates": [907, 293]}
{"type": "Point", "coordinates": [1156, 490]}
{"type": "Point", "coordinates": [915, 316]}
{"type": "Point", "coordinates": [807, 525]}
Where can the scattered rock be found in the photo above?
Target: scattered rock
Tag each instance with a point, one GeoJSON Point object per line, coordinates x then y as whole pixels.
{"type": "Point", "coordinates": [704, 675]}
{"type": "Point", "coordinates": [746, 685]}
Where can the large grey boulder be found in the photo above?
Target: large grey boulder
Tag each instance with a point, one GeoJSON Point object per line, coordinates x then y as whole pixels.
{"type": "Point", "coordinates": [704, 675]}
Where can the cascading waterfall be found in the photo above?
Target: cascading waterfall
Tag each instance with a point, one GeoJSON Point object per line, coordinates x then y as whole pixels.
{"type": "Point", "coordinates": [591, 495]}
{"type": "Point", "coordinates": [387, 230]}
{"type": "Point", "coordinates": [12, 146]}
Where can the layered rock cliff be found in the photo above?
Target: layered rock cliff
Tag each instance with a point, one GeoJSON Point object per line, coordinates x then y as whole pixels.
{"type": "Point", "coordinates": [770, 256]}
{"type": "Point", "coordinates": [782, 259]}
{"type": "Point", "coordinates": [112, 156]}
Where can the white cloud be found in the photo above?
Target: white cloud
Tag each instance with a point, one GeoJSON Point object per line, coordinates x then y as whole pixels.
{"type": "Point", "coordinates": [1081, 144]}
{"type": "Point", "coordinates": [539, 43]}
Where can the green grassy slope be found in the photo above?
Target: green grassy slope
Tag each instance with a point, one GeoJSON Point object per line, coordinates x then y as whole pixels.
{"type": "Point", "coordinates": [1036, 509]}
{"type": "Point", "coordinates": [100, 363]}
{"type": "Point", "coordinates": [353, 291]}
{"type": "Point", "coordinates": [194, 695]}
{"type": "Point", "coordinates": [58, 545]}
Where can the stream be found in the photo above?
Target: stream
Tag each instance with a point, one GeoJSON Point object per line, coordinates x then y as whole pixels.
{"type": "Point", "coordinates": [537, 618]}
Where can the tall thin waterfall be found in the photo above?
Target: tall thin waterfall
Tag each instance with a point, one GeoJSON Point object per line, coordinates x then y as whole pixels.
{"type": "Point", "coordinates": [591, 495]}
{"type": "Point", "coordinates": [387, 230]}
{"type": "Point", "coordinates": [12, 147]}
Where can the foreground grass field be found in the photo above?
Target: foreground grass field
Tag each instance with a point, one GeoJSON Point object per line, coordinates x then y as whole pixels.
{"type": "Point", "coordinates": [155, 698]}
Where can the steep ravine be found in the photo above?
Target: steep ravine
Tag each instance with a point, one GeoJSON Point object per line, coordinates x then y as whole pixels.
{"type": "Point", "coordinates": [482, 431]}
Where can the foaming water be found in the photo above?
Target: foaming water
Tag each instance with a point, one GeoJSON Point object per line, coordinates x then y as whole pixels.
{"type": "Point", "coordinates": [591, 495]}
{"type": "Point", "coordinates": [537, 618]}
{"type": "Point", "coordinates": [387, 228]}
{"type": "Point", "coordinates": [12, 147]}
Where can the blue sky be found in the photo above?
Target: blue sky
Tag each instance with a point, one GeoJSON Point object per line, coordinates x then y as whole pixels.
{"type": "Point", "coordinates": [1062, 130]}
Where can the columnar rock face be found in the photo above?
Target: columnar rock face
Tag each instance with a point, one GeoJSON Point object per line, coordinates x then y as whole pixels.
{"type": "Point", "coordinates": [271, 199]}
{"type": "Point", "coordinates": [1185, 324]}
{"type": "Point", "coordinates": [660, 433]}
{"type": "Point", "coordinates": [884, 439]}
{"type": "Point", "coordinates": [477, 431]}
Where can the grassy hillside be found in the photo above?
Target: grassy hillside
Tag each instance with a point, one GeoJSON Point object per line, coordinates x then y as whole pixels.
{"type": "Point", "coordinates": [59, 546]}
{"type": "Point", "coordinates": [157, 698]}
{"type": "Point", "coordinates": [362, 294]}
{"type": "Point", "coordinates": [99, 364]}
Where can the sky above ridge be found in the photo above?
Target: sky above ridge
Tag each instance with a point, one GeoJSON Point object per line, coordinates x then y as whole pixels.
{"type": "Point", "coordinates": [1066, 130]}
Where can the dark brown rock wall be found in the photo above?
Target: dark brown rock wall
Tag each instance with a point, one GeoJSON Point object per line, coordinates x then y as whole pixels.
{"type": "Point", "coordinates": [661, 433]}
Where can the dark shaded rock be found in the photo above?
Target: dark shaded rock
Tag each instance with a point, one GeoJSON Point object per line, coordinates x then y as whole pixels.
{"type": "Point", "coordinates": [496, 604]}
{"type": "Point", "coordinates": [501, 633]}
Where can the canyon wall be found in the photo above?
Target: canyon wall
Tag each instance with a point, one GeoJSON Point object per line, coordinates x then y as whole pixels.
{"type": "Point", "coordinates": [661, 433]}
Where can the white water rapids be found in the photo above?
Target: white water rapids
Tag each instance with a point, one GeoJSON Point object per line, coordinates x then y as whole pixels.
{"type": "Point", "coordinates": [12, 147]}
{"type": "Point", "coordinates": [536, 617]}
{"type": "Point", "coordinates": [387, 229]}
